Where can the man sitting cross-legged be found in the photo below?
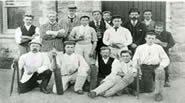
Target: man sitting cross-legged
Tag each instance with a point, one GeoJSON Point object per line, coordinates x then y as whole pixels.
{"type": "Point", "coordinates": [36, 67]}
{"type": "Point", "coordinates": [73, 67]}
{"type": "Point", "coordinates": [121, 76]}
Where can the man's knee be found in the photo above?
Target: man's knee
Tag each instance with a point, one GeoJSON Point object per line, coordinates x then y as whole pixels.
{"type": "Point", "coordinates": [160, 74]}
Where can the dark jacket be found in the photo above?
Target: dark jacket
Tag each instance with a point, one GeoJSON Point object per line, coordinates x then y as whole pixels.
{"type": "Point", "coordinates": [166, 36]}
{"type": "Point", "coordinates": [138, 32]}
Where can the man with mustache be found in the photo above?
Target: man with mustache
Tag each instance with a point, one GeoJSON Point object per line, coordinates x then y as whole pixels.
{"type": "Point", "coordinates": [36, 67]}
{"type": "Point", "coordinates": [137, 29]}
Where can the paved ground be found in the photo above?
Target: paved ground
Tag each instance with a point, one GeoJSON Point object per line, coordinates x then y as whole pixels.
{"type": "Point", "coordinates": [174, 94]}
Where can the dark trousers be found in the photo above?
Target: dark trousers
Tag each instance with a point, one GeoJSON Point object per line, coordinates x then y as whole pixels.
{"type": "Point", "coordinates": [166, 74]}
{"type": "Point", "coordinates": [146, 83]}
{"type": "Point", "coordinates": [32, 82]}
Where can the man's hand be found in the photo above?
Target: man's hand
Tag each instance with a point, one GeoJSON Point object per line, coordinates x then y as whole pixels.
{"type": "Point", "coordinates": [121, 74]}
{"type": "Point", "coordinates": [61, 31]}
{"type": "Point", "coordinates": [92, 54]}
{"type": "Point", "coordinates": [133, 45]}
{"type": "Point", "coordinates": [114, 45]}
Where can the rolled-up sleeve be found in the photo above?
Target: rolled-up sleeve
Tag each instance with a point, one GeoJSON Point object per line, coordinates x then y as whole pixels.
{"type": "Point", "coordinates": [18, 35]}
{"type": "Point", "coordinates": [106, 37]}
{"type": "Point", "coordinates": [164, 58]}
{"type": "Point", "coordinates": [128, 38]}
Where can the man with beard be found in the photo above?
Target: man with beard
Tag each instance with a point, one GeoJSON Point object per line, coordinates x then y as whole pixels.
{"type": "Point", "coordinates": [25, 33]}
{"type": "Point", "coordinates": [36, 67]}
{"type": "Point", "coordinates": [137, 29]}
{"type": "Point", "coordinates": [165, 39]}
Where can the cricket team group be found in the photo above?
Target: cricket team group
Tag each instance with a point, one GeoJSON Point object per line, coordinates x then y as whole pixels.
{"type": "Point", "coordinates": [102, 55]}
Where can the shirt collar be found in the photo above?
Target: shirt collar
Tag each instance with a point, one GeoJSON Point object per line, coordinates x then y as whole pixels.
{"type": "Point", "coordinates": [27, 27]}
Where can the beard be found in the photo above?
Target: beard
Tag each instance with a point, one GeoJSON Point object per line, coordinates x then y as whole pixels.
{"type": "Point", "coordinates": [35, 50]}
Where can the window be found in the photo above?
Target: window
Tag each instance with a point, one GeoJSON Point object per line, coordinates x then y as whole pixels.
{"type": "Point", "coordinates": [13, 11]}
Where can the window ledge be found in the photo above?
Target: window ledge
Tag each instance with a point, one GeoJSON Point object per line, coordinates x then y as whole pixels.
{"type": "Point", "coordinates": [6, 36]}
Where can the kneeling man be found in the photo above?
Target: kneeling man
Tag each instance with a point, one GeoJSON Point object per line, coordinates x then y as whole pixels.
{"type": "Point", "coordinates": [73, 67]}
{"type": "Point", "coordinates": [121, 76]}
{"type": "Point", "coordinates": [36, 67]}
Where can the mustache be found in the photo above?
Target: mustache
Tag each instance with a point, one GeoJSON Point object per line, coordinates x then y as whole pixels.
{"type": "Point", "coordinates": [35, 49]}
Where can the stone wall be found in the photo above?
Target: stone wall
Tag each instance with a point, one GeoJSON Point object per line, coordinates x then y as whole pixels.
{"type": "Point", "coordinates": [176, 24]}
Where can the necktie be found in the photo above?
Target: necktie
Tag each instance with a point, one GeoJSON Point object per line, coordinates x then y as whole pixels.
{"type": "Point", "coordinates": [116, 28]}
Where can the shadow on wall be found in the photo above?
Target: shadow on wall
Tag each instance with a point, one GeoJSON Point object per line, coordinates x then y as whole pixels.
{"type": "Point", "coordinates": [5, 59]}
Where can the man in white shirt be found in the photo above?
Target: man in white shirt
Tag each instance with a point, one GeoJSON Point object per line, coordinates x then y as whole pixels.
{"type": "Point", "coordinates": [85, 37]}
{"type": "Point", "coordinates": [36, 67]}
{"type": "Point", "coordinates": [73, 67]}
{"type": "Point", "coordinates": [122, 74]}
{"type": "Point", "coordinates": [117, 37]}
{"type": "Point", "coordinates": [25, 33]}
{"type": "Point", "coordinates": [152, 59]}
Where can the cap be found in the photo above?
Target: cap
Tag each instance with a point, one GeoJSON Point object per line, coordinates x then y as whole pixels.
{"type": "Point", "coordinates": [117, 17]}
{"type": "Point", "coordinates": [72, 7]}
{"type": "Point", "coordinates": [36, 41]}
{"type": "Point", "coordinates": [70, 42]}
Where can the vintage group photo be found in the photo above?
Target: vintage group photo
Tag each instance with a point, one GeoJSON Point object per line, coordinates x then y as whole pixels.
{"type": "Point", "coordinates": [92, 51]}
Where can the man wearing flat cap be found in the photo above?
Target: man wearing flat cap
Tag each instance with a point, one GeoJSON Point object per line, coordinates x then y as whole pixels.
{"type": "Point", "coordinates": [117, 37]}
{"type": "Point", "coordinates": [36, 67]}
{"type": "Point", "coordinates": [72, 20]}
{"type": "Point", "coordinates": [73, 67]}
{"type": "Point", "coordinates": [107, 18]}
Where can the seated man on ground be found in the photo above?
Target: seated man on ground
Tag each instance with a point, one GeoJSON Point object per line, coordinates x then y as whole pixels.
{"type": "Point", "coordinates": [36, 67]}
{"type": "Point", "coordinates": [73, 67]}
{"type": "Point", "coordinates": [105, 63]}
{"type": "Point", "coordinates": [121, 76]}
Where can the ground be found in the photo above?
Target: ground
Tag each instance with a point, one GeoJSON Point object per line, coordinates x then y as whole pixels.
{"type": "Point", "coordinates": [174, 94]}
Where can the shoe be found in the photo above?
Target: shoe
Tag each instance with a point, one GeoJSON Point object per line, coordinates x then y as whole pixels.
{"type": "Point", "coordinates": [92, 94]}
{"type": "Point", "coordinates": [45, 91]}
{"type": "Point", "coordinates": [167, 84]}
{"type": "Point", "coordinates": [79, 92]}
{"type": "Point", "coordinates": [158, 97]}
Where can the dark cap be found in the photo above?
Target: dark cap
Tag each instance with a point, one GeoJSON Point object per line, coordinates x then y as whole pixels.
{"type": "Point", "coordinates": [70, 42]}
{"type": "Point", "coordinates": [117, 17]}
{"type": "Point", "coordinates": [134, 10]}
{"type": "Point", "coordinates": [106, 12]}
{"type": "Point", "coordinates": [72, 7]}
{"type": "Point", "coordinates": [105, 48]}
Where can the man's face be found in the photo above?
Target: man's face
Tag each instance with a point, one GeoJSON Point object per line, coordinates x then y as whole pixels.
{"type": "Point", "coordinates": [117, 22]}
{"type": "Point", "coordinates": [105, 53]}
{"type": "Point", "coordinates": [107, 16]}
{"type": "Point", "coordinates": [97, 16]}
{"type": "Point", "coordinates": [28, 20]}
{"type": "Point", "coordinates": [34, 48]}
{"type": "Point", "coordinates": [52, 17]}
{"type": "Point", "coordinates": [72, 12]}
{"type": "Point", "coordinates": [69, 49]}
{"type": "Point", "coordinates": [134, 16]}
{"type": "Point", "coordinates": [147, 15]}
{"type": "Point", "coordinates": [150, 39]}
{"type": "Point", "coordinates": [158, 29]}
{"type": "Point", "coordinates": [84, 21]}
{"type": "Point", "coordinates": [125, 57]}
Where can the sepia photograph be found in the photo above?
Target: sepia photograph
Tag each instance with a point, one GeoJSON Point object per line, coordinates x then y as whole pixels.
{"type": "Point", "coordinates": [92, 51]}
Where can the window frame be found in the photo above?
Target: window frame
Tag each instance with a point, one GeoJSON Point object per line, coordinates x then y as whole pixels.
{"type": "Point", "coordinates": [5, 7]}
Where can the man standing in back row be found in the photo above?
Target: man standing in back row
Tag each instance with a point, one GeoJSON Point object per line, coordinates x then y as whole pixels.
{"type": "Point", "coordinates": [137, 29]}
